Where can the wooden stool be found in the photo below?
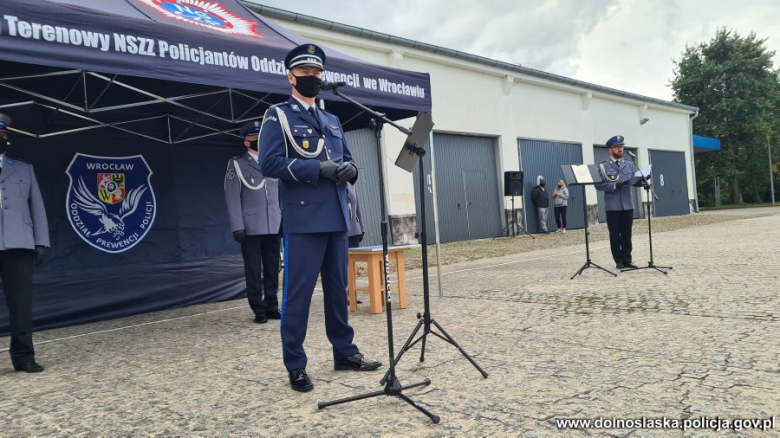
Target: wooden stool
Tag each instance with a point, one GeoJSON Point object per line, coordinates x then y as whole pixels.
{"type": "Point", "coordinates": [373, 257]}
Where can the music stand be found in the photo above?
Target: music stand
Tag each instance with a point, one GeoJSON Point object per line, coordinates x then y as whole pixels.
{"type": "Point", "coordinates": [418, 136]}
{"type": "Point", "coordinates": [648, 191]}
{"type": "Point", "coordinates": [583, 175]}
{"type": "Point", "coordinates": [411, 154]}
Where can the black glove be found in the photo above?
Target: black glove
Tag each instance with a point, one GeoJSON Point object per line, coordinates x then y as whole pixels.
{"type": "Point", "coordinates": [618, 184]}
{"type": "Point", "coordinates": [239, 235]}
{"type": "Point", "coordinates": [39, 256]}
{"type": "Point", "coordinates": [328, 170]}
{"type": "Point", "coordinates": [346, 172]}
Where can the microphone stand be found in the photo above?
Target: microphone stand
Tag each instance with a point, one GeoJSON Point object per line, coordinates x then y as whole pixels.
{"type": "Point", "coordinates": [392, 385]}
{"type": "Point", "coordinates": [648, 191]}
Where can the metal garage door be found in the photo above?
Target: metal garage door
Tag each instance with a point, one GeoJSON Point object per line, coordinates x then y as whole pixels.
{"type": "Point", "coordinates": [670, 181]}
{"type": "Point", "coordinates": [467, 188]}
{"type": "Point", "coordinates": [362, 144]}
{"type": "Point", "coordinates": [545, 158]}
{"type": "Point", "coordinates": [601, 154]}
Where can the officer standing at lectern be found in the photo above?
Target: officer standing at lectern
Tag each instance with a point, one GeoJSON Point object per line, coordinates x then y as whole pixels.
{"type": "Point", "coordinates": [616, 174]}
{"type": "Point", "coordinates": [305, 148]}
{"type": "Point", "coordinates": [24, 238]}
{"type": "Point", "coordinates": [255, 217]}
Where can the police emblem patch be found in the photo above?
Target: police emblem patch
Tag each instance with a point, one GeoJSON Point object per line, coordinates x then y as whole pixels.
{"type": "Point", "coordinates": [231, 173]}
{"type": "Point", "coordinates": [208, 14]}
{"type": "Point", "coordinates": [306, 144]}
{"type": "Point", "coordinates": [312, 49]}
{"type": "Point", "coordinates": [110, 201]}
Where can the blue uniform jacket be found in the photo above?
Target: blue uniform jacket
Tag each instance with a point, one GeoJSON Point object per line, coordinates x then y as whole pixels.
{"type": "Point", "coordinates": [611, 172]}
{"type": "Point", "coordinates": [23, 222]}
{"type": "Point", "coordinates": [256, 212]}
{"type": "Point", "coordinates": [309, 204]}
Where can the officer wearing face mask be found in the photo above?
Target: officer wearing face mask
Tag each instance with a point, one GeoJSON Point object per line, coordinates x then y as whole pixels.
{"type": "Point", "coordinates": [255, 217]}
{"type": "Point", "coordinates": [304, 146]}
{"type": "Point", "coordinates": [24, 238]}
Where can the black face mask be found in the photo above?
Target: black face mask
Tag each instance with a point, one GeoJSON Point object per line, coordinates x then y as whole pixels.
{"type": "Point", "coordinates": [308, 86]}
{"type": "Point", "coordinates": [253, 145]}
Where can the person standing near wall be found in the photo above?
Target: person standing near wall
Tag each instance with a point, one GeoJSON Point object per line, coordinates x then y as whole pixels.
{"type": "Point", "coordinates": [24, 239]}
{"type": "Point", "coordinates": [560, 204]}
{"type": "Point", "coordinates": [541, 202]}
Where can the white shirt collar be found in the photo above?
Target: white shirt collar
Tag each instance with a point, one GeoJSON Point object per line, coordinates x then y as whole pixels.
{"type": "Point", "coordinates": [303, 104]}
{"type": "Point", "coordinates": [255, 156]}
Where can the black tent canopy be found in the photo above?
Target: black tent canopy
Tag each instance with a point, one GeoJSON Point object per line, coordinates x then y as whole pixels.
{"type": "Point", "coordinates": [100, 63]}
{"type": "Point", "coordinates": [150, 94]}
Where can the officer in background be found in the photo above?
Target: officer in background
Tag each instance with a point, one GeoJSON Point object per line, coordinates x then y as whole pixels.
{"type": "Point", "coordinates": [619, 201]}
{"type": "Point", "coordinates": [306, 149]}
{"type": "Point", "coordinates": [255, 218]}
{"type": "Point", "coordinates": [356, 230]}
{"type": "Point", "coordinates": [24, 238]}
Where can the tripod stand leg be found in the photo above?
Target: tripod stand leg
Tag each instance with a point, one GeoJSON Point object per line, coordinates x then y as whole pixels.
{"type": "Point", "coordinates": [403, 350]}
{"type": "Point", "coordinates": [433, 417]}
{"type": "Point", "coordinates": [462, 351]}
{"type": "Point", "coordinates": [393, 388]}
{"type": "Point", "coordinates": [579, 271]}
{"type": "Point", "coordinates": [422, 348]}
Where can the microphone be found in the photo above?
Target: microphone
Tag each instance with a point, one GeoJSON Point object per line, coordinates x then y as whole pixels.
{"type": "Point", "coordinates": [327, 86]}
{"type": "Point", "coordinates": [632, 154]}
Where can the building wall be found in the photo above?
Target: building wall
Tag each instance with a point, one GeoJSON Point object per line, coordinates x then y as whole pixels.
{"type": "Point", "coordinates": [478, 100]}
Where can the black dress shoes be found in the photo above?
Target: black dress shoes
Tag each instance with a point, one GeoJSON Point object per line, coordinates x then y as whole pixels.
{"type": "Point", "coordinates": [356, 363]}
{"type": "Point", "coordinates": [300, 381]}
{"type": "Point", "coordinates": [29, 367]}
{"type": "Point", "coordinates": [619, 265]}
{"type": "Point", "coordinates": [273, 314]}
{"type": "Point", "coordinates": [630, 266]}
{"type": "Point", "coordinates": [261, 319]}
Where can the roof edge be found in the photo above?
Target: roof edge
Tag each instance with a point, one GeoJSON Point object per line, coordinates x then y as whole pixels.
{"type": "Point", "coordinates": [360, 32]}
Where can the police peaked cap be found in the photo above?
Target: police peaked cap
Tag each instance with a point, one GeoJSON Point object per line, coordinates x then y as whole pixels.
{"type": "Point", "coordinates": [615, 141]}
{"type": "Point", "coordinates": [250, 128]}
{"type": "Point", "coordinates": [305, 55]}
{"type": "Point", "coordinates": [5, 122]}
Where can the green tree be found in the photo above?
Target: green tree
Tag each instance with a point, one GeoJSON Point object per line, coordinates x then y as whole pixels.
{"type": "Point", "coordinates": [732, 81]}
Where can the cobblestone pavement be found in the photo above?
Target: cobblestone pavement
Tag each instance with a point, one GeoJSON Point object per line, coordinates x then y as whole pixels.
{"type": "Point", "coordinates": [701, 341]}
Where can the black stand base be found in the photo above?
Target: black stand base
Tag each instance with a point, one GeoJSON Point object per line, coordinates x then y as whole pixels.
{"type": "Point", "coordinates": [392, 388]}
{"type": "Point", "coordinates": [650, 265]}
{"type": "Point", "coordinates": [513, 229]}
{"type": "Point", "coordinates": [424, 321]}
{"type": "Point", "coordinates": [590, 264]}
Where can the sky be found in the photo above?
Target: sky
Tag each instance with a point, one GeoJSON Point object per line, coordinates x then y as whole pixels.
{"type": "Point", "coordinates": [629, 45]}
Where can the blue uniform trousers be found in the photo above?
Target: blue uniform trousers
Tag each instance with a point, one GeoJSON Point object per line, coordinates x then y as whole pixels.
{"type": "Point", "coordinates": [306, 256]}
{"type": "Point", "coordinates": [619, 224]}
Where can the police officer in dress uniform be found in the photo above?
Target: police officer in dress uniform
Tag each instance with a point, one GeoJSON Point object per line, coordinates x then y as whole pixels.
{"type": "Point", "coordinates": [619, 201]}
{"type": "Point", "coordinates": [305, 148]}
{"type": "Point", "coordinates": [255, 218]}
{"type": "Point", "coordinates": [24, 238]}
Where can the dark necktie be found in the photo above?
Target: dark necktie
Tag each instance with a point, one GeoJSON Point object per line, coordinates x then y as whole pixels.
{"type": "Point", "coordinates": [313, 113]}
